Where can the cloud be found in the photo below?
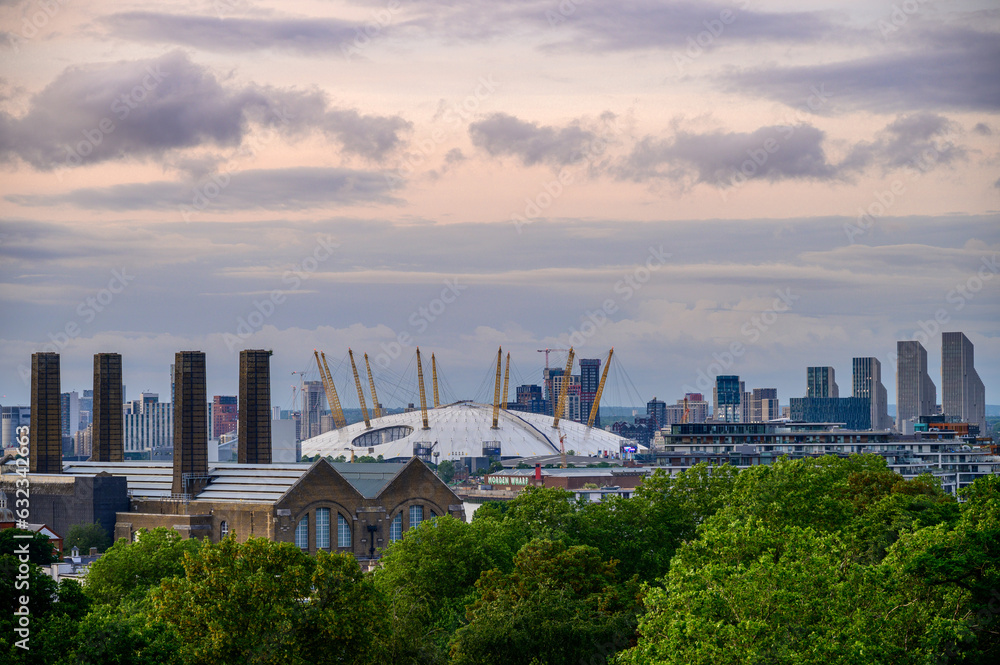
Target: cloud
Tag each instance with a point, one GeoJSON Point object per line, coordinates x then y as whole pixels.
{"type": "Point", "coordinates": [143, 109]}
{"type": "Point", "coordinates": [910, 141]}
{"type": "Point", "coordinates": [982, 129]}
{"type": "Point", "coordinates": [503, 134]}
{"type": "Point", "coordinates": [769, 153]}
{"type": "Point", "coordinates": [944, 68]}
{"type": "Point", "coordinates": [268, 189]}
{"type": "Point", "coordinates": [231, 34]}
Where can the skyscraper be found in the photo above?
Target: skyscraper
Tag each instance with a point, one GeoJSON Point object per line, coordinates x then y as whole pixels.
{"type": "Point", "coordinates": [867, 383]}
{"type": "Point", "coordinates": [727, 398]}
{"type": "Point", "coordinates": [963, 394]}
{"type": "Point", "coordinates": [312, 408]}
{"type": "Point", "coordinates": [916, 394]}
{"type": "Point", "coordinates": [657, 410]}
{"type": "Point", "coordinates": [820, 382]}
{"type": "Point", "coordinates": [69, 409]}
{"type": "Point", "coordinates": [590, 377]}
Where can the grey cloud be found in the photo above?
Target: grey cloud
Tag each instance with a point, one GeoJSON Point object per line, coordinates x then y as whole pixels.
{"type": "Point", "coordinates": [982, 129]}
{"type": "Point", "coordinates": [234, 35]}
{"type": "Point", "coordinates": [503, 134]}
{"type": "Point", "coordinates": [145, 108]}
{"type": "Point", "coordinates": [945, 68]}
{"type": "Point", "coordinates": [268, 189]}
{"type": "Point", "coordinates": [911, 140]}
{"type": "Point", "coordinates": [770, 153]}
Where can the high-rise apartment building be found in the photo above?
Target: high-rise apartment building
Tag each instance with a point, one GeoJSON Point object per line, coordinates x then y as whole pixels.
{"type": "Point", "coordinates": [657, 411]}
{"type": "Point", "coordinates": [963, 394]}
{"type": "Point", "coordinates": [916, 394]}
{"type": "Point", "coordinates": [69, 413]}
{"type": "Point", "coordinates": [867, 383]}
{"type": "Point", "coordinates": [312, 408]}
{"type": "Point", "coordinates": [225, 414]}
{"type": "Point", "coordinates": [820, 382]}
{"type": "Point", "coordinates": [727, 398]}
{"type": "Point", "coordinates": [764, 405]}
{"type": "Point", "coordinates": [13, 417]}
{"type": "Point", "coordinates": [148, 429]}
{"type": "Point", "coordinates": [590, 378]}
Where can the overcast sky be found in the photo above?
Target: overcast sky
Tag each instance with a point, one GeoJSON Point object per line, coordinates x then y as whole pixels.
{"type": "Point", "coordinates": [746, 187]}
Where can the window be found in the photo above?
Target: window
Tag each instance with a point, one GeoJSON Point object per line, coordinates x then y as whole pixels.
{"type": "Point", "coordinates": [302, 533]}
{"type": "Point", "coordinates": [416, 516]}
{"type": "Point", "coordinates": [396, 528]}
{"type": "Point", "coordinates": [223, 528]}
{"type": "Point", "coordinates": [433, 515]}
{"type": "Point", "coordinates": [322, 528]}
{"type": "Point", "coordinates": [343, 532]}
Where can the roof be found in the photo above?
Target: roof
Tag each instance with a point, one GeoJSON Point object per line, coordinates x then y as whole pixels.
{"type": "Point", "coordinates": [229, 481]}
{"type": "Point", "coordinates": [461, 430]}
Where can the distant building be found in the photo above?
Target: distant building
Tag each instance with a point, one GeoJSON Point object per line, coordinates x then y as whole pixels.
{"type": "Point", "coordinates": [854, 413]}
{"type": "Point", "coordinates": [529, 398]}
{"type": "Point", "coordinates": [820, 382]}
{"type": "Point", "coordinates": [12, 418]}
{"type": "Point", "coordinates": [590, 378]}
{"type": "Point", "coordinates": [69, 411]}
{"type": "Point", "coordinates": [148, 428]}
{"type": "Point", "coordinates": [762, 405]}
{"type": "Point", "coordinates": [86, 408]}
{"type": "Point", "coordinates": [312, 408]}
{"type": "Point", "coordinates": [225, 414]}
{"type": "Point", "coordinates": [916, 394]}
{"type": "Point", "coordinates": [867, 383]}
{"type": "Point", "coordinates": [727, 398]}
{"type": "Point", "coordinates": [963, 394]}
{"type": "Point", "coordinates": [657, 411]}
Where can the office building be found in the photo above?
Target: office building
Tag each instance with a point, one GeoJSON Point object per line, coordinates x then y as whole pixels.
{"type": "Point", "coordinates": [821, 382]}
{"type": "Point", "coordinates": [763, 405]}
{"type": "Point", "coordinates": [107, 434]}
{"type": "Point", "coordinates": [963, 394]}
{"type": "Point", "coordinates": [12, 418]}
{"type": "Point", "coordinates": [69, 413]}
{"type": "Point", "coordinates": [86, 408]}
{"type": "Point", "coordinates": [312, 408]}
{"type": "Point", "coordinates": [916, 394]}
{"type": "Point", "coordinates": [45, 435]}
{"type": "Point", "coordinates": [727, 397]}
{"type": "Point", "coordinates": [854, 413]}
{"type": "Point", "coordinates": [867, 383]}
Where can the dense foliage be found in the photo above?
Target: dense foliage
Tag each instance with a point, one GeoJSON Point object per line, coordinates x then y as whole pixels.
{"type": "Point", "coordinates": [810, 561]}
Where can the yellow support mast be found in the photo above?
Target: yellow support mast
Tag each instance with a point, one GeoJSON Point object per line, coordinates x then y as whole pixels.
{"type": "Point", "coordinates": [423, 395]}
{"type": "Point", "coordinates": [361, 393]}
{"type": "Point", "coordinates": [376, 407]}
{"type": "Point", "coordinates": [506, 383]}
{"type": "Point", "coordinates": [600, 389]}
{"type": "Point", "coordinates": [434, 380]}
{"type": "Point", "coordinates": [331, 390]}
{"type": "Point", "coordinates": [496, 392]}
{"type": "Point", "coordinates": [561, 405]}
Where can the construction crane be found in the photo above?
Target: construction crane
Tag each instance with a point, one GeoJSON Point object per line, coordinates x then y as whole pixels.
{"type": "Point", "coordinates": [546, 352]}
{"type": "Point", "coordinates": [600, 389]}
{"type": "Point", "coordinates": [361, 393]}
{"type": "Point", "coordinates": [565, 388]}
{"type": "Point", "coordinates": [687, 411]}
{"type": "Point", "coordinates": [496, 392]}
{"type": "Point", "coordinates": [331, 391]}
{"type": "Point", "coordinates": [423, 395]}
{"type": "Point", "coordinates": [434, 380]}
{"type": "Point", "coordinates": [376, 407]}
{"type": "Point", "coordinates": [506, 383]}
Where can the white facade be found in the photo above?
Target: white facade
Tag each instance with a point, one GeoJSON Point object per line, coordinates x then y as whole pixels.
{"type": "Point", "coordinates": [148, 427]}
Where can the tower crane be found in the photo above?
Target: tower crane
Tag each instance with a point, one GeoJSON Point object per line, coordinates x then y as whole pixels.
{"type": "Point", "coordinates": [687, 411]}
{"type": "Point", "coordinates": [546, 352]}
{"type": "Point", "coordinates": [600, 389]}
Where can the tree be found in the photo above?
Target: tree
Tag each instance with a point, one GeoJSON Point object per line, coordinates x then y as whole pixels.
{"type": "Point", "coordinates": [559, 605]}
{"type": "Point", "coordinates": [127, 571]}
{"type": "Point", "coordinates": [266, 602]}
{"type": "Point", "coordinates": [446, 470]}
{"type": "Point", "coordinates": [85, 536]}
{"type": "Point", "coordinates": [40, 551]}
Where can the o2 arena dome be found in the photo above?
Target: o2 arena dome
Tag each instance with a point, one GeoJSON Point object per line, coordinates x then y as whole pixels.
{"type": "Point", "coordinates": [462, 429]}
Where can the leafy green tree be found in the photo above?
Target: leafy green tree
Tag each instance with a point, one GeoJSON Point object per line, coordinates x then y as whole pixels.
{"type": "Point", "coordinates": [128, 570]}
{"type": "Point", "coordinates": [40, 550]}
{"type": "Point", "coordinates": [267, 602]}
{"type": "Point", "coordinates": [559, 605]}
{"type": "Point", "coordinates": [85, 536]}
{"type": "Point", "coordinates": [446, 470]}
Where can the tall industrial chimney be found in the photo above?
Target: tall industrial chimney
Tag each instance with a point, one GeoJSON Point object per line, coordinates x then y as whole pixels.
{"type": "Point", "coordinates": [190, 423]}
{"type": "Point", "coordinates": [45, 433]}
{"type": "Point", "coordinates": [108, 433]}
{"type": "Point", "coordinates": [254, 428]}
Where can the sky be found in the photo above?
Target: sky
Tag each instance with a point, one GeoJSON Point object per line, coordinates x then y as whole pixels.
{"type": "Point", "coordinates": [747, 187]}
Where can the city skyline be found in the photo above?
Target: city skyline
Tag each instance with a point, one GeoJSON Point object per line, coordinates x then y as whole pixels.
{"type": "Point", "coordinates": [734, 185]}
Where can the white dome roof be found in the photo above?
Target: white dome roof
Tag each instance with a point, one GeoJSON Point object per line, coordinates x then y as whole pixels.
{"type": "Point", "coordinates": [462, 429]}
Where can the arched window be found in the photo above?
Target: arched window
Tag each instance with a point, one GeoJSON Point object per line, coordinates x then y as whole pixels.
{"type": "Point", "coordinates": [416, 516]}
{"type": "Point", "coordinates": [343, 532]}
{"type": "Point", "coordinates": [433, 515]}
{"type": "Point", "coordinates": [396, 528]}
{"type": "Point", "coordinates": [322, 528]}
{"type": "Point", "coordinates": [223, 528]}
{"type": "Point", "coordinates": [302, 533]}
